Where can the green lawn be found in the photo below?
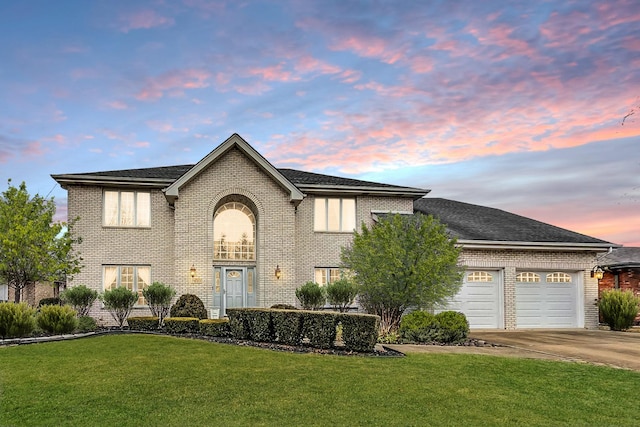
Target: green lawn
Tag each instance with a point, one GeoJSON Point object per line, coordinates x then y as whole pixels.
{"type": "Point", "coordinates": [145, 380]}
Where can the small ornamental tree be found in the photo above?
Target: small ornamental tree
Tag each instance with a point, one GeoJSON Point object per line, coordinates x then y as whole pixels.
{"type": "Point", "coordinates": [80, 298]}
{"type": "Point", "coordinates": [158, 297]}
{"type": "Point", "coordinates": [403, 261]}
{"type": "Point", "coordinates": [119, 302]}
{"type": "Point", "coordinates": [341, 293]}
{"type": "Point", "coordinates": [311, 296]}
{"type": "Point", "coordinates": [33, 248]}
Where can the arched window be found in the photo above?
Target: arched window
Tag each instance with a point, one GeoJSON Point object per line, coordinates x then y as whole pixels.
{"type": "Point", "coordinates": [528, 277]}
{"type": "Point", "coordinates": [234, 232]}
{"type": "Point", "coordinates": [479, 276]}
{"type": "Point", "coordinates": [558, 278]}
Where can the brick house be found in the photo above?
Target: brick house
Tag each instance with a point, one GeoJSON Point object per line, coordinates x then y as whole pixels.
{"type": "Point", "coordinates": [236, 231]}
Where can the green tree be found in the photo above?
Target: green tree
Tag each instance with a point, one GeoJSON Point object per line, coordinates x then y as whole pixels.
{"type": "Point", "coordinates": [403, 262]}
{"type": "Point", "coordinates": [33, 248]}
{"type": "Point", "coordinates": [119, 302]}
{"type": "Point", "coordinates": [158, 297]}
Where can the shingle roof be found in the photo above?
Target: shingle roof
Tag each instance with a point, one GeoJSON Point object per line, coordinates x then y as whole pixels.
{"type": "Point", "coordinates": [472, 222]}
{"type": "Point", "coordinates": [166, 172]}
{"type": "Point", "coordinates": [622, 257]}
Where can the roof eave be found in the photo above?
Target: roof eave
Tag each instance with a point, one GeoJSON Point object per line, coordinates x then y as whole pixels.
{"type": "Point", "coordinates": [75, 179]}
{"type": "Point", "coordinates": [541, 246]}
{"type": "Point", "coordinates": [414, 193]}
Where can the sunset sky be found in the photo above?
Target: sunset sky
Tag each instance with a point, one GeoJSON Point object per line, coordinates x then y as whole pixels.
{"type": "Point", "coordinates": [531, 107]}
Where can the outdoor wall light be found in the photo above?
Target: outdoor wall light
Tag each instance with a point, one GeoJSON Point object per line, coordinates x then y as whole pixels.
{"type": "Point", "coordinates": [278, 272]}
{"type": "Point", "coordinates": [597, 272]}
{"type": "Point", "coordinates": [192, 271]}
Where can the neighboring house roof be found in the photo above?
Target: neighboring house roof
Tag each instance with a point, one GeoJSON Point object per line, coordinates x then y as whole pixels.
{"type": "Point", "coordinates": [297, 182]}
{"type": "Point", "coordinates": [483, 227]}
{"type": "Point", "coordinates": [624, 257]}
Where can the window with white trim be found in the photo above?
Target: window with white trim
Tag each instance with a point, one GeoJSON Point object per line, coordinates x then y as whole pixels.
{"type": "Point", "coordinates": [528, 277]}
{"type": "Point", "coordinates": [234, 232]}
{"type": "Point", "coordinates": [133, 277]}
{"type": "Point", "coordinates": [324, 276]}
{"type": "Point", "coordinates": [479, 276]}
{"type": "Point", "coordinates": [334, 214]}
{"type": "Point", "coordinates": [127, 209]}
{"type": "Point", "coordinates": [558, 277]}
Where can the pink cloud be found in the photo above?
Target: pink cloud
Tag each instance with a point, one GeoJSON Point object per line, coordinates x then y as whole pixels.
{"type": "Point", "coordinates": [309, 64]}
{"type": "Point", "coordinates": [174, 82]}
{"type": "Point", "coordinates": [34, 149]}
{"type": "Point", "coordinates": [164, 127]}
{"type": "Point", "coordinates": [369, 47]}
{"type": "Point", "coordinates": [273, 73]}
{"type": "Point", "coordinates": [117, 105]}
{"type": "Point", "coordinates": [350, 76]}
{"type": "Point", "coordinates": [143, 19]}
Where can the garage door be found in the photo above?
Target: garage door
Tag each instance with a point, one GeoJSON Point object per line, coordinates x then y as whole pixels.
{"type": "Point", "coordinates": [546, 300]}
{"type": "Point", "coordinates": [479, 299]}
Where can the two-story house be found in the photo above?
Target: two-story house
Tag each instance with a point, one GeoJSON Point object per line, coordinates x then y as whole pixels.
{"type": "Point", "coordinates": [239, 232]}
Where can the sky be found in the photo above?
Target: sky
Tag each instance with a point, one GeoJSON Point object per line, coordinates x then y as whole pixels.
{"type": "Point", "coordinates": [530, 107]}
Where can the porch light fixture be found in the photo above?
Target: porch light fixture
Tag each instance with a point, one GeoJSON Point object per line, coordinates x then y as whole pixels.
{"type": "Point", "coordinates": [597, 272]}
{"type": "Point", "coordinates": [192, 271]}
{"type": "Point", "coordinates": [278, 272]}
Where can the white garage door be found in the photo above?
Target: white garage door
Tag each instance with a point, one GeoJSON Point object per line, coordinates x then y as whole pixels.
{"type": "Point", "coordinates": [546, 300]}
{"type": "Point", "coordinates": [479, 299]}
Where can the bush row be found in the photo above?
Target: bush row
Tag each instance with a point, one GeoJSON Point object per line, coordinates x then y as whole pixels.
{"type": "Point", "coordinates": [20, 320]}
{"type": "Point", "coordinates": [181, 325]}
{"type": "Point", "coordinates": [359, 331]}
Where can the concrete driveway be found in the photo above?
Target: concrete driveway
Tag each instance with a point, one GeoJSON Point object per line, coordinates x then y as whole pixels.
{"type": "Point", "coordinates": [618, 349]}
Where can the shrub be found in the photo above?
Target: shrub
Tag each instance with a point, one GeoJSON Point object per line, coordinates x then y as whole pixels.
{"type": "Point", "coordinates": [453, 327]}
{"type": "Point", "coordinates": [284, 307]}
{"type": "Point", "coordinates": [80, 298]}
{"type": "Point", "coordinates": [215, 327]}
{"type": "Point", "coordinates": [189, 305]}
{"type": "Point", "coordinates": [320, 328]}
{"type": "Point", "coordinates": [418, 326]}
{"type": "Point", "coordinates": [16, 320]}
{"type": "Point", "coordinates": [238, 323]}
{"type": "Point", "coordinates": [145, 323]}
{"type": "Point", "coordinates": [49, 301]}
{"type": "Point", "coordinates": [618, 308]}
{"type": "Point", "coordinates": [311, 296]}
{"type": "Point", "coordinates": [158, 297]}
{"type": "Point", "coordinates": [260, 326]}
{"type": "Point", "coordinates": [182, 325]}
{"type": "Point", "coordinates": [87, 324]}
{"type": "Point", "coordinates": [119, 302]}
{"type": "Point", "coordinates": [341, 294]}
{"type": "Point", "coordinates": [56, 319]}
{"type": "Point", "coordinates": [360, 331]}
{"type": "Point", "coordinates": [287, 326]}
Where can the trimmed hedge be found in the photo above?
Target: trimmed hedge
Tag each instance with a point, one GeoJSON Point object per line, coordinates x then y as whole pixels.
{"type": "Point", "coordinates": [182, 325]}
{"type": "Point", "coordinates": [453, 327]}
{"type": "Point", "coordinates": [215, 327]}
{"type": "Point", "coordinates": [57, 319]}
{"type": "Point", "coordinates": [238, 324]}
{"type": "Point", "coordinates": [320, 328]}
{"type": "Point", "coordinates": [260, 325]}
{"type": "Point", "coordinates": [189, 305]}
{"type": "Point", "coordinates": [143, 323]}
{"type": "Point", "coordinates": [446, 327]}
{"type": "Point", "coordinates": [287, 326]}
{"type": "Point", "coordinates": [360, 331]}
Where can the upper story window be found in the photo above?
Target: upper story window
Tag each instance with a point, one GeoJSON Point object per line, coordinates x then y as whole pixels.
{"type": "Point", "coordinates": [234, 232]}
{"type": "Point", "coordinates": [334, 214]}
{"type": "Point", "coordinates": [127, 209]}
{"type": "Point", "coordinates": [528, 277]}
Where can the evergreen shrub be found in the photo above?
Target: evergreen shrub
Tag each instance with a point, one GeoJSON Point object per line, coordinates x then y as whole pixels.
{"type": "Point", "coordinates": [618, 308]}
{"type": "Point", "coordinates": [287, 326]}
{"type": "Point", "coordinates": [182, 325]}
{"type": "Point", "coordinates": [158, 297]}
{"type": "Point", "coordinates": [215, 327]}
{"type": "Point", "coordinates": [189, 305]}
{"type": "Point", "coordinates": [238, 323]}
{"type": "Point", "coordinates": [260, 325]}
{"type": "Point", "coordinates": [87, 324]}
{"type": "Point", "coordinates": [16, 320]}
{"type": "Point", "coordinates": [57, 319]}
{"type": "Point", "coordinates": [311, 296]}
{"type": "Point", "coordinates": [143, 323]}
{"type": "Point", "coordinates": [359, 331]}
{"type": "Point", "coordinates": [320, 328]}
{"type": "Point", "coordinates": [80, 298]}
{"type": "Point", "coordinates": [418, 326]}
{"type": "Point", "coordinates": [49, 301]}
{"type": "Point", "coordinates": [341, 293]}
{"type": "Point", "coordinates": [119, 302]}
{"type": "Point", "coordinates": [453, 327]}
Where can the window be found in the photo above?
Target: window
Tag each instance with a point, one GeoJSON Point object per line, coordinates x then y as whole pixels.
{"type": "Point", "coordinates": [558, 278]}
{"type": "Point", "coordinates": [479, 276]}
{"type": "Point", "coordinates": [234, 232]}
{"type": "Point", "coordinates": [4, 292]}
{"type": "Point", "coordinates": [334, 214]}
{"type": "Point", "coordinates": [528, 277]}
{"type": "Point", "coordinates": [134, 278]}
{"type": "Point", "coordinates": [324, 276]}
{"type": "Point", "coordinates": [127, 209]}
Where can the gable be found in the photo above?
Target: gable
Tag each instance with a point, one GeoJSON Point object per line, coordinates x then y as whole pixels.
{"type": "Point", "coordinates": [234, 141]}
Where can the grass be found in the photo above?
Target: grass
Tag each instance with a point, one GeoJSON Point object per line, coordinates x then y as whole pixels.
{"type": "Point", "coordinates": [142, 380]}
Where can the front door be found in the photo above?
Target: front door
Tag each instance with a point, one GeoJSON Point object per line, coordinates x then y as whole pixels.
{"type": "Point", "coordinates": [234, 288]}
